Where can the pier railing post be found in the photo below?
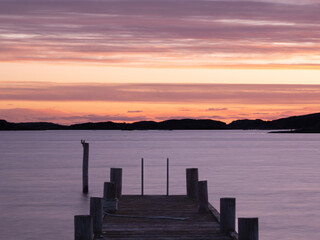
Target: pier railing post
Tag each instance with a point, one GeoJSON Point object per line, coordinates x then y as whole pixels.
{"type": "Point", "coordinates": [203, 196]}
{"type": "Point", "coordinates": [109, 191]}
{"type": "Point", "coordinates": [192, 182]}
{"type": "Point", "coordinates": [110, 202]}
{"type": "Point", "coordinates": [167, 176]}
{"type": "Point", "coordinates": [83, 227]}
{"type": "Point", "coordinates": [142, 176]}
{"type": "Point", "coordinates": [227, 214]}
{"type": "Point", "coordinates": [248, 229]}
{"type": "Point", "coordinates": [116, 178]}
{"type": "Point", "coordinates": [85, 167]}
{"type": "Point", "coordinates": [96, 214]}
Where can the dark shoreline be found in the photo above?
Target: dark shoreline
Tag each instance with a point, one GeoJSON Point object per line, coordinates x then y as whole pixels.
{"type": "Point", "coordinates": [296, 124]}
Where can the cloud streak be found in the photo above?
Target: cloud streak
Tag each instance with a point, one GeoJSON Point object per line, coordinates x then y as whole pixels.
{"type": "Point", "coordinates": [216, 109]}
{"type": "Point", "coordinates": [155, 34]}
{"type": "Point", "coordinates": [163, 93]}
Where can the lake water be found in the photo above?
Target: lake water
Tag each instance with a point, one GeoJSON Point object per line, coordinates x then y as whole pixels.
{"type": "Point", "coordinates": [273, 176]}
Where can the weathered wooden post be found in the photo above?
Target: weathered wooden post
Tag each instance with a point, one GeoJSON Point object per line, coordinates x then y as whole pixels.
{"type": "Point", "coordinates": [227, 214]}
{"type": "Point", "coordinates": [192, 182]}
{"type": "Point", "coordinates": [85, 167]}
{"type": "Point", "coordinates": [110, 202]}
{"type": "Point", "coordinates": [248, 228]}
{"type": "Point", "coordinates": [203, 196]}
{"type": "Point", "coordinates": [167, 176]}
{"type": "Point", "coordinates": [83, 227]}
{"type": "Point", "coordinates": [142, 176]}
{"type": "Point", "coordinates": [96, 214]}
{"type": "Point", "coordinates": [116, 178]}
{"type": "Point", "coordinates": [109, 191]}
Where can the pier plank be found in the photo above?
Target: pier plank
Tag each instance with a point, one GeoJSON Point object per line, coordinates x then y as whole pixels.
{"type": "Point", "coordinates": [132, 220]}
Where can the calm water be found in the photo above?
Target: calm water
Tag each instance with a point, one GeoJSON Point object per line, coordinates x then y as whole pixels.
{"type": "Point", "coordinates": [273, 176]}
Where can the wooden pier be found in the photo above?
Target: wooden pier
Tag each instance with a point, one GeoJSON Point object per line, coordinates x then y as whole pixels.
{"type": "Point", "coordinates": [161, 217]}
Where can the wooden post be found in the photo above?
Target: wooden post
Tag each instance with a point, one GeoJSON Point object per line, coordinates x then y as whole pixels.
{"type": "Point", "coordinates": [142, 176]}
{"type": "Point", "coordinates": [248, 228]}
{"type": "Point", "coordinates": [85, 167]}
{"type": "Point", "coordinates": [227, 214]}
{"type": "Point", "coordinates": [192, 182]}
{"type": "Point", "coordinates": [116, 178]}
{"type": "Point", "coordinates": [203, 196]}
{"type": "Point", "coordinates": [109, 191]}
{"type": "Point", "coordinates": [96, 214]}
{"type": "Point", "coordinates": [110, 201]}
{"type": "Point", "coordinates": [167, 176]}
{"type": "Point", "coordinates": [83, 227]}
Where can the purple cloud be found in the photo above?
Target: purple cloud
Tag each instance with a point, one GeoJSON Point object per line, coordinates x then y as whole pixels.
{"type": "Point", "coordinates": [216, 109]}
{"type": "Point", "coordinates": [163, 93]}
{"type": "Point", "coordinates": [135, 111]}
{"type": "Point", "coordinates": [153, 33]}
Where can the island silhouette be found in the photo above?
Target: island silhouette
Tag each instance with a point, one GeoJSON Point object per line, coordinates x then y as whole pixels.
{"type": "Point", "coordinates": [297, 124]}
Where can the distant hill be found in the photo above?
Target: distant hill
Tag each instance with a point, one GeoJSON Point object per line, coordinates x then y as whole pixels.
{"type": "Point", "coordinates": [183, 124]}
{"type": "Point", "coordinates": [310, 122]}
{"type": "Point", "coordinates": [173, 124]}
{"type": "Point", "coordinates": [248, 124]}
{"type": "Point", "coordinates": [304, 123]}
{"type": "Point", "coordinates": [4, 125]}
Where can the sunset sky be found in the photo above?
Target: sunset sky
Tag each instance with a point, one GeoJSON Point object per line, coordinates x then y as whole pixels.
{"type": "Point", "coordinates": [75, 61]}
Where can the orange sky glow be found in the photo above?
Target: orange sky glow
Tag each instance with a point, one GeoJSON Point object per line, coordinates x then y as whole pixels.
{"type": "Point", "coordinates": [144, 60]}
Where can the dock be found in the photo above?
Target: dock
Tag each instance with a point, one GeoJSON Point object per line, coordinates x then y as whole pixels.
{"type": "Point", "coordinates": [161, 217]}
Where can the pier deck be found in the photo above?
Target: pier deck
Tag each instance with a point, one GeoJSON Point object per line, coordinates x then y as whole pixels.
{"type": "Point", "coordinates": [135, 225]}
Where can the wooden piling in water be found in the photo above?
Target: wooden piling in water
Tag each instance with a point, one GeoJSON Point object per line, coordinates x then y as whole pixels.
{"type": "Point", "coordinates": [109, 191]}
{"type": "Point", "coordinates": [192, 182]}
{"type": "Point", "coordinates": [85, 167]}
{"type": "Point", "coordinates": [110, 201]}
{"type": "Point", "coordinates": [227, 214]}
{"type": "Point", "coordinates": [83, 227]}
{"type": "Point", "coordinates": [116, 178]}
{"type": "Point", "coordinates": [167, 176]}
{"type": "Point", "coordinates": [96, 214]}
{"type": "Point", "coordinates": [142, 177]}
{"type": "Point", "coordinates": [248, 228]}
{"type": "Point", "coordinates": [203, 196]}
